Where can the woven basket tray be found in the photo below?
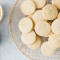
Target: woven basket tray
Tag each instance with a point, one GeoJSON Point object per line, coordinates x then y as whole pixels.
{"type": "Point", "coordinates": [15, 16]}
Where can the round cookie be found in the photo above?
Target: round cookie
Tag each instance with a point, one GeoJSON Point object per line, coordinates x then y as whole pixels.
{"type": "Point", "coordinates": [54, 41]}
{"type": "Point", "coordinates": [38, 16]}
{"type": "Point", "coordinates": [42, 28]}
{"type": "Point", "coordinates": [58, 16]}
{"type": "Point", "coordinates": [56, 3]}
{"type": "Point", "coordinates": [49, 34]}
{"type": "Point", "coordinates": [36, 44]}
{"type": "Point", "coordinates": [40, 3]}
{"type": "Point", "coordinates": [28, 7]}
{"type": "Point", "coordinates": [56, 26]}
{"type": "Point", "coordinates": [50, 12]}
{"type": "Point", "coordinates": [28, 38]}
{"type": "Point", "coordinates": [47, 50]}
{"type": "Point", "coordinates": [25, 25]}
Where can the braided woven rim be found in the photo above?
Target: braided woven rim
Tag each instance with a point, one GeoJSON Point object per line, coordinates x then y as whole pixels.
{"type": "Point", "coordinates": [11, 32]}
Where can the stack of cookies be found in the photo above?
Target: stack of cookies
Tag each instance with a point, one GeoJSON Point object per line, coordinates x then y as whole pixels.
{"type": "Point", "coordinates": [42, 20]}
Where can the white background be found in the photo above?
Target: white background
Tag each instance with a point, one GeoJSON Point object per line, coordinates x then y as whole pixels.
{"type": "Point", "coordinates": [8, 51]}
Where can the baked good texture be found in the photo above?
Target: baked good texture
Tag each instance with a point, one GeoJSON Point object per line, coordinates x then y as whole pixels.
{"type": "Point", "coordinates": [42, 28]}
{"type": "Point", "coordinates": [28, 38]}
{"type": "Point", "coordinates": [36, 44]}
{"type": "Point", "coordinates": [47, 50]}
{"type": "Point", "coordinates": [56, 26]}
{"type": "Point", "coordinates": [54, 41]}
{"type": "Point", "coordinates": [40, 3]}
{"type": "Point", "coordinates": [56, 3]}
{"type": "Point", "coordinates": [38, 16]}
{"type": "Point", "coordinates": [50, 12]}
{"type": "Point", "coordinates": [25, 25]}
{"type": "Point", "coordinates": [28, 7]}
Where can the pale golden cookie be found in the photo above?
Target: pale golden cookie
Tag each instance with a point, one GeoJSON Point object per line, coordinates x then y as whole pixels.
{"type": "Point", "coordinates": [42, 28]}
{"type": "Point", "coordinates": [58, 16]}
{"type": "Point", "coordinates": [56, 3]}
{"type": "Point", "coordinates": [40, 3]}
{"type": "Point", "coordinates": [38, 16]}
{"type": "Point", "coordinates": [54, 41]}
{"type": "Point", "coordinates": [25, 25]}
{"type": "Point", "coordinates": [56, 26]}
{"type": "Point", "coordinates": [47, 50]}
{"type": "Point", "coordinates": [36, 44]}
{"type": "Point", "coordinates": [28, 7]}
{"type": "Point", "coordinates": [50, 12]}
{"type": "Point", "coordinates": [28, 38]}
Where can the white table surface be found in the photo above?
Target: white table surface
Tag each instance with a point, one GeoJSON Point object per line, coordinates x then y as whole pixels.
{"type": "Point", "coordinates": [8, 51]}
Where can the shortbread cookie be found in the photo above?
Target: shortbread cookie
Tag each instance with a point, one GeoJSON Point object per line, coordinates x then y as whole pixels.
{"type": "Point", "coordinates": [58, 16]}
{"type": "Point", "coordinates": [49, 34]}
{"type": "Point", "coordinates": [1, 13]}
{"type": "Point", "coordinates": [28, 38]}
{"type": "Point", "coordinates": [38, 16]}
{"type": "Point", "coordinates": [40, 3]}
{"type": "Point", "coordinates": [47, 50]}
{"type": "Point", "coordinates": [25, 25]}
{"type": "Point", "coordinates": [54, 40]}
{"type": "Point", "coordinates": [56, 26]}
{"type": "Point", "coordinates": [56, 3]}
{"type": "Point", "coordinates": [50, 12]}
{"type": "Point", "coordinates": [28, 7]}
{"type": "Point", "coordinates": [42, 28]}
{"type": "Point", "coordinates": [36, 44]}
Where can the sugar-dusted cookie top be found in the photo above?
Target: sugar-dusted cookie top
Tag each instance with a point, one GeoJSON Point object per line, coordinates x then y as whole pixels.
{"type": "Point", "coordinates": [40, 3]}
{"type": "Point", "coordinates": [25, 25]}
{"type": "Point", "coordinates": [56, 26]}
{"type": "Point", "coordinates": [56, 3]}
{"type": "Point", "coordinates": [50, 12]}
{"type": "Point", "coordinates": [47, 50]}
{"type": "Point", "coordinates": [28, 7]}
{"type": "Point", "coordinates": [42, 28]}
{"type": "Point", "coordinates": [36, 44]}
{"type": "Point", "coordinates": [28, 38]}
{"type": "Point", "coordinates": [38, 16]}
{"type": "Point", "coordinates": [54, 41]}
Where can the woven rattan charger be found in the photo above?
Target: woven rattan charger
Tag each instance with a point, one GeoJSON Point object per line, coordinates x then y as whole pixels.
{"type": "Point", "coordinates": [14, 18]}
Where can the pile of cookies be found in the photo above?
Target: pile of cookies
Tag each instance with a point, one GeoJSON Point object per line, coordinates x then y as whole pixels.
{"type": "Point", "coordinates": [42, 20]}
